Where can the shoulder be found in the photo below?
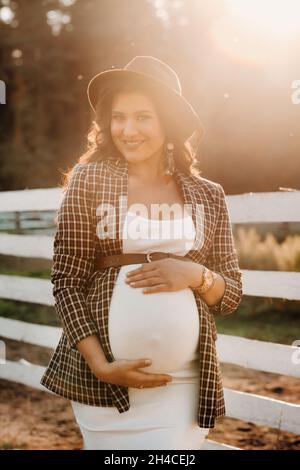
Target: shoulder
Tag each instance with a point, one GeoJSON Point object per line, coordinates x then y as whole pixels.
{"type": "Point", "coordinates": [90, 168]}
{"type": "Point", "coordinates": [91, 171]}
{"type": "Point", "coordinates": [208, 188]}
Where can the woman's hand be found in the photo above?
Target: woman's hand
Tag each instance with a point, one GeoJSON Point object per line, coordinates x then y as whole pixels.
{"type": "Point", "coordinates": [165, 275]}
{"type": "Point", "coordinates": [126, 372]}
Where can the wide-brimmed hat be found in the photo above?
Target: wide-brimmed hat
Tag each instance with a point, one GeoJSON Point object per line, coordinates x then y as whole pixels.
{"type": "Point", "coordinates": [156, 72]}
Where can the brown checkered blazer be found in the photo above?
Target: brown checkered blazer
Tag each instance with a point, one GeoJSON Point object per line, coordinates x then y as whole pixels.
{"type": "Point", "coordinates": [82, 295]}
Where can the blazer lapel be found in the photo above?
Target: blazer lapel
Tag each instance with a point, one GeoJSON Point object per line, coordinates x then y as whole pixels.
{"type": "Point", "coordinates": [192, 202]}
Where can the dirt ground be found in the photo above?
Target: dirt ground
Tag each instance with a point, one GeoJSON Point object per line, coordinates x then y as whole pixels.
{"type": "Point", "coordinates": [39, 420]}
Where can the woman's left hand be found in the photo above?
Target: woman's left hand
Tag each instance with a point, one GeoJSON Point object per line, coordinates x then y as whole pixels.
{"type": "Point", "coordinates": [165, 275]}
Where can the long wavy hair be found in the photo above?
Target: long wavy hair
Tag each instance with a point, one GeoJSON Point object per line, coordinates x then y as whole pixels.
{"type": "Point", "coordinates": [100, 145]}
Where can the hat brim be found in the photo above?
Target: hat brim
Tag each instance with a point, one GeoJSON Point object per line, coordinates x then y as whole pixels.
{"type": "Point", "coordinates": [190, 119]}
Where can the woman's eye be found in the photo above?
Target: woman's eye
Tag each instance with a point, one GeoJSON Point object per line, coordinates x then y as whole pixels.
{"type": "Point", "coordinates": [142, 117]}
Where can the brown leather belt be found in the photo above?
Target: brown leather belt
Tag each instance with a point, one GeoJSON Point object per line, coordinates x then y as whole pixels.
{"type": "Point", "coordinates": [134, 258]}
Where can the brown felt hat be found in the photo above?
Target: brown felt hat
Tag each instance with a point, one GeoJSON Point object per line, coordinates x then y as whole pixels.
{"type": "Point", "coordinates": [156, 72]}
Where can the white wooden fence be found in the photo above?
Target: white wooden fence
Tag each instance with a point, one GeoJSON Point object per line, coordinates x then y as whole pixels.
{"type": "Point", "coordinates": [258, 355]}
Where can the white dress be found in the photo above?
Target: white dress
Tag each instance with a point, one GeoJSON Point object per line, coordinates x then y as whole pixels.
{"type": "Point", "coordinates": [162, 326]}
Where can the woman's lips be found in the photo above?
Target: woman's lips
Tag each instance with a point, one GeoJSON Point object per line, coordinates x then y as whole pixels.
{"type": "Point", "coordinates": [133, 145]}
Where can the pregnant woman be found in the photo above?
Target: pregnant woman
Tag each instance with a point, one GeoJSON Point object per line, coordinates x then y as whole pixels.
{"type": "Point", "coordinates": [143, 258]}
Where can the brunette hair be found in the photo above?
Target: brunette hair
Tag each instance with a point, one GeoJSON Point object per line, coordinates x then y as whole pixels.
{"type": "Point", "coordinates": [100, 145]}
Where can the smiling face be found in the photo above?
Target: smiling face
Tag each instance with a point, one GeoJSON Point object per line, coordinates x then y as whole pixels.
{"type": "Point", "coordinates": [136, 129]}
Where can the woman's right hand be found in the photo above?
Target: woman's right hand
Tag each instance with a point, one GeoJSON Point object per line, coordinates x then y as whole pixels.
{"type": "Point", "coordinates": [126, 372]}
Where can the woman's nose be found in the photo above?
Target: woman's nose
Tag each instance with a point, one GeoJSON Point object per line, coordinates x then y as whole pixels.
{"type": "Point", "coordinates": [129, 128]}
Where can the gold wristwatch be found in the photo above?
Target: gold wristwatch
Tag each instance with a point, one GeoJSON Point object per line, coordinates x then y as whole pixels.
{"type": "Point", "coordinates": [208, 281]}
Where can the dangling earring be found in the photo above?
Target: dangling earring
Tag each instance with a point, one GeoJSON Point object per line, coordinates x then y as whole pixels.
{"type": "Point", "coordinates": [170, 167]}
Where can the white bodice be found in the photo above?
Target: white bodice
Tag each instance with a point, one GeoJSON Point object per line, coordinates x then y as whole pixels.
{"type": "Point", "coordinates": [141, 235]}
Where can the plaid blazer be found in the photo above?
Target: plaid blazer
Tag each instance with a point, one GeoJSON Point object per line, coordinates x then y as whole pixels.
{"type": "Point", "coordinates": [82, 294]}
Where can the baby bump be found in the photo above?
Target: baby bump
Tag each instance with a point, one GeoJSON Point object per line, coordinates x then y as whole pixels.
{"type": "Point", "coordinates": [163, 326]}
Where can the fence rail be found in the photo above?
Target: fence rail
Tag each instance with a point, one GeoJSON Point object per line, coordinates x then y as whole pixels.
{"type": "Point", "coordinates": [253, 354]}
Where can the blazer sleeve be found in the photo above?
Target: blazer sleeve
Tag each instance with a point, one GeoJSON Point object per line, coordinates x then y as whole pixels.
{"type": "Point", "coordinates": [223, 260]}
{"type": "Point", "coordinates": [73, 258]}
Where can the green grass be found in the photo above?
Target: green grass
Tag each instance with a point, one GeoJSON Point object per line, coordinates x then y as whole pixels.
{"type": "Point", "coordinates": [40, 273]}
{"type": "Point", "coordinates": [272, 320]}
{"type": "Point", "coordinates": [32, 313]}
{"type": "Point", "coordinates": [31, 267]}
{"type": "Point", "coordinates": [28, 312]}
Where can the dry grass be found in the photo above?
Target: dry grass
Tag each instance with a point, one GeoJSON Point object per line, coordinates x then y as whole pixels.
{"type": "Point", "coordinates": [256, 252]}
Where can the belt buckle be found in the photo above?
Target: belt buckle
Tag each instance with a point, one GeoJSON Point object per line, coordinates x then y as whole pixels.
{"type": "Point", "coordinates": [149, 256]}
{"type": "Point", "coordinates": [152, 252]}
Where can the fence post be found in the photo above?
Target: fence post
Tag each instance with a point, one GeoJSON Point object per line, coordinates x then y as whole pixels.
{"type": "Point", "coordinates": [2, 92]}
{"type": "Point", "coordinates": [18, 227]}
